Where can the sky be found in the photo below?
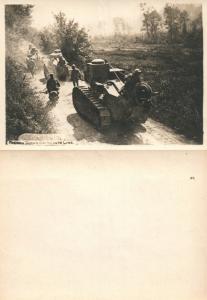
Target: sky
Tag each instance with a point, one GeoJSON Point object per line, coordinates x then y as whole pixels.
{"type": "Point", "coordinates": [89, 13]}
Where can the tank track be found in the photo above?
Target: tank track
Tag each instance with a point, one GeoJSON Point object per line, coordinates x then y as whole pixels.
{"type": "Point", "coordinates": [91, 108]}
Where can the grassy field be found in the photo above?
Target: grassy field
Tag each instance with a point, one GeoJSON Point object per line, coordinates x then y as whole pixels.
{"type": "Point", "coordinates": [174, 71]}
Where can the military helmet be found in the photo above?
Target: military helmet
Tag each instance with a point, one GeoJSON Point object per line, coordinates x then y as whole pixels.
{"type": "Point", "coordinates": [137, 71]}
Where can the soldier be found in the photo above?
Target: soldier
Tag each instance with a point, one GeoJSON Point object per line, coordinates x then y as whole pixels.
{"type": "Point", "coordinates": [46, 72]}
{"type": "Point", "coordinates": [31, 65]}
{"type": "Point", "coordinates": [52, 84]}
{"type": "Point", "coordinates": [75, 75]}
{"type": "Point", "coordinates": [130, 84]}
{"type": "Point", "coordinates": [133, 79]}
{"type": "Point", "coordinates": [34, 52]}
{"type": "Point", "coordinates": [29, 50]}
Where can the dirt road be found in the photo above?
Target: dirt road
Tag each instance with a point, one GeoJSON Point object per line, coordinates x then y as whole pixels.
{"type": "Point", "coordinates": [77, 131]}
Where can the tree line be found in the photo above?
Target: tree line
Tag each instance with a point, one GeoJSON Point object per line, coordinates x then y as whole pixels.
{"type": "Point", "coordinates": [174, 25]}
{"type": "Point", "coordinates": [25, 112]}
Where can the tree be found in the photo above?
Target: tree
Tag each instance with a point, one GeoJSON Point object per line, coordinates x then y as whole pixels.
{"type": "Point", "coordinates": [172, 21]}
{"type": "Point", "coordinates": [69, 37]}
{"type": "Point", "coordinates": [195, 36]}
{"type": "Point", "coordinates": [47, 40]}
{"type": "Point", "coordinates": [101, 27]}
{"type": "Point", "coordinates": [24, 110]}
{"type": "Point", "coordinates": [183, 20]}
{"type": "Point", "coordinates": [117, 25]}
{"type": "Point", "coordinates": [197, 24]}
{"type": "Point", "coordinates": [152, 24]}
{"type": "Point", "coordinates": [120, 26]}
{"type": "Point", "coordinates": [18, 17]}
{"type": "Point", "coordinates": [17, 27]}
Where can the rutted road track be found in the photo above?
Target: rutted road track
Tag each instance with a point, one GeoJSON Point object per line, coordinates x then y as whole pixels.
{"type": "Point", "coordinates": [76, 130]}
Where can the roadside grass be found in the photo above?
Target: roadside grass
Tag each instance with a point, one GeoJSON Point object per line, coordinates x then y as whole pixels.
{"type": "Point", "coordinates": [25, 112]}
{"type": "Point", "coordinates": [177, 74]}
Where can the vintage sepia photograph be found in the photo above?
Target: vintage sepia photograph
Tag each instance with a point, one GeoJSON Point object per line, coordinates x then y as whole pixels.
{"type": "Point", "coordinates": [98, 73]}
{"type": "Point", "coordinates": [103, 75]}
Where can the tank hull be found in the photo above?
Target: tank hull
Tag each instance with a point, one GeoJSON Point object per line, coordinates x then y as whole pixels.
{"type": "Point", "coordinates": [91, 108]}
{"type": "Point", "coordinates": [102, 113]}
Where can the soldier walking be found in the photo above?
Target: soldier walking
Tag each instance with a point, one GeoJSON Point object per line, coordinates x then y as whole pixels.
{"type": "Point", "coordinates": [75, 75]}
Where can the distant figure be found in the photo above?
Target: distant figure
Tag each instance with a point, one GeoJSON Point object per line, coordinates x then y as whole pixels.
{"type": "Point", "coordinates": [29, 50]}
{"type": "Point", "coordinates": [52, 84]}
{"type": "Point", "coordinates": [75, 75]}
{"type": "Point", "coordinates": [31, 65]}
{"type": "Point", "coordinates": [35, 53]}
{"type": "Point", "coordinates": [32, 52]}
{"type": "Point", "coordinates": [46, 72]}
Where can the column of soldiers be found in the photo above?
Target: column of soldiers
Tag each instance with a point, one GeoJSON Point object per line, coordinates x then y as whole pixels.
{"type": "Point", "coordinates": [52, 84]}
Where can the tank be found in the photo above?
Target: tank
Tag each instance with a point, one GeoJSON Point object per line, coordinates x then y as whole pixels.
{"type": "Point", "coordinates": [102, 99]}
{"type": "Point", "coordinates": [57, 65]}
